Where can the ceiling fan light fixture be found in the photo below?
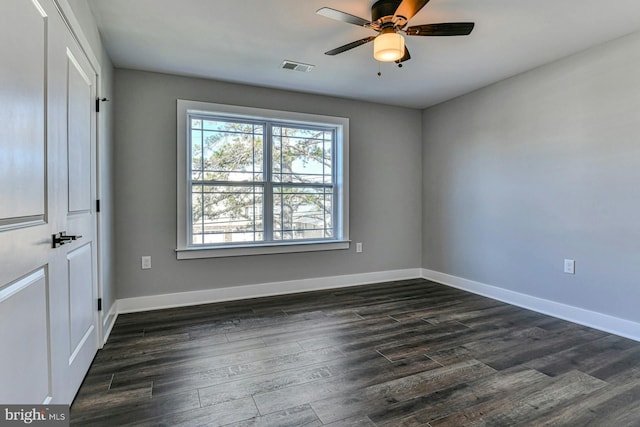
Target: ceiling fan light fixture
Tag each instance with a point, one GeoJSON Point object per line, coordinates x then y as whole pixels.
{"type": "Point", "coordinates": [388, 47]}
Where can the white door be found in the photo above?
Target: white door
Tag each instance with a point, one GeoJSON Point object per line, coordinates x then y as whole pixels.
{"type": "Point", "coordinates": [77, 259]}
{"type": "Point", "coordinates": [48, 313]}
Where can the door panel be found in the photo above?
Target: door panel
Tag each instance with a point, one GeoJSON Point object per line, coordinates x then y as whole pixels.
{"type": "Point", "coordinates": [22, 103]}
{"type": "Point", "coordinates": [24, 331]}
{"type": "Point", "coordinates": [79, 103]}
{"type": "Point", "coordinates": [81, 309]}
{"type": "Point", "coordinates": [23, 228]}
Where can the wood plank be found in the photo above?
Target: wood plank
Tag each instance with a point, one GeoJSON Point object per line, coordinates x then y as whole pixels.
{"type": "Point", "coordinates": [420, 344]}
{"type": "Point", "coordinates": [310, 325]}
{"type": "Point", "coordinates": [122, 413]}
{"type": "Point", "coordinates": [136, 365]}
{"type": "Point", "coordinates": [525, 405]}
{"type": "Point", "coordinates": [368, 338]}
{"type": "Point", "coordinates": [354, 377]}
{"type": "Point", "coordinates": [358, 421]}
{"type": "Point", "coordinates": [596, 355]}
{"type": "Point", "coordinates": [180, 365]}
{"type": "Point", "coordinates": [218, 415]}
{"type": "Point", "coordinates": [609, 406]}
{"type": "Point", "coordinates": [539, 348]}
{"type": "Point", "coordinates": [423, 409]}
{"type": "Point", "coordinates": [261, 384]}
{"type": "Point", "coordinates": [369, 398]}
{"type": "Point", "coordinates": [247, 372]}
{"type": "Point", "coordinates": [293, 417]}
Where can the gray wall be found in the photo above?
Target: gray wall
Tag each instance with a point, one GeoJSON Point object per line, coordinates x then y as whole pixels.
{"type": "Point", "coordinates": [538, 168]}
{"type": "Point", "coordinates": [105, 153]}
{"type": "Point", "coordinates": [385, 174]}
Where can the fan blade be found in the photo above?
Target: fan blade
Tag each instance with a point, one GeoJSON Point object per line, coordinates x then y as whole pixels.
{"type": "Point", "coordinates": [406, 56]}
{"type": "Point", "coordinates": [342, 16]}
{"type": "Point", "coordinates": [350, 46]}
{"type": "Point", "coordinates": [448, 29]}
{"type": "Point", "coordinates": [408, 8]}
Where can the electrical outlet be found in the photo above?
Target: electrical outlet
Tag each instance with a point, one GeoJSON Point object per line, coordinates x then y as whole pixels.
{"type": "Point", "coordinates": [146, 262]}
{"type": "Point", "coordinates": [570, 266]}
{"type": "Point", "coordinates": [359, 247]}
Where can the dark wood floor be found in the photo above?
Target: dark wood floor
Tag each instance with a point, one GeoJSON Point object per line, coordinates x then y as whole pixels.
{"type": "Point", "coordinates": [410, 353]}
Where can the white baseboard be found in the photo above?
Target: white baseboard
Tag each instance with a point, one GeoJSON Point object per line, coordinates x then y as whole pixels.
{"type": "Point", "coordinates": [603, 322]}
{"type": "Point", "coordinates": [109, 321]}
{"type": "Point", "coordinates": [155, 302]}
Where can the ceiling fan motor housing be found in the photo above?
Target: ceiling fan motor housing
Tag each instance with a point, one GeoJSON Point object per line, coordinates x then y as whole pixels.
{"type": "Point", "coordinates": [384, 9]}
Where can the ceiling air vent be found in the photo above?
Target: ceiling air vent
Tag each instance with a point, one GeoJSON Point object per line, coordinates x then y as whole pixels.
{"type": "Point", "coordinates": [297, 66]}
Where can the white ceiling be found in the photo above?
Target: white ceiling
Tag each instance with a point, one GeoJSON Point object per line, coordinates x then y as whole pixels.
{"type": "Point", "coordinates": [245, 41]}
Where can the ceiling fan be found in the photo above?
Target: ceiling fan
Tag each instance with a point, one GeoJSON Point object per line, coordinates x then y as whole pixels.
{"type": "Point", "coordinates": [390, 18]}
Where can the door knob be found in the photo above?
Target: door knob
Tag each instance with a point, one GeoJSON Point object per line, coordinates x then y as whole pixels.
{"type": "Point", "coordinates": [61, 238]}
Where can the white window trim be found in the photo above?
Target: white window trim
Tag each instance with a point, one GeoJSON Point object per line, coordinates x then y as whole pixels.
{"type": "Point", "coordinates": [185, 251]}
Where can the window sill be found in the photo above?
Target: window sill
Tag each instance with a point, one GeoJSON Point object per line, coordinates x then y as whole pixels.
{"type": "Point", "coordinates": [281, 248]}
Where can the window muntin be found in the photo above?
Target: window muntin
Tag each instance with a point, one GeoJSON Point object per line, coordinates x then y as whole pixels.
{"type": "Point", "coordinates": [239, 196]}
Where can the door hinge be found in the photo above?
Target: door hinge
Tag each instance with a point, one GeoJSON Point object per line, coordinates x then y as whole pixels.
{"type": "Point", "coordinates": [98, 205]}
{"type": "Point", "coordinates": [99, 304]}
{"type": "Point", "coordinates": [98, 100]}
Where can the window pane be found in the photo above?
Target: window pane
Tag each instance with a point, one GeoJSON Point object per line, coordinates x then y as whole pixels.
{"type": "Point", "coordinates": [328, 157]}
{"type": "Point", "coordinates": [301, 155]}
{"type": "Point", "coordinates": [302, 212]}
{"type": "Point", "coordinates": [226, 214]}
{"type": "Point", "coordinates": [226, 151]}
{"type": "Point", "coordinates": [196, 154]}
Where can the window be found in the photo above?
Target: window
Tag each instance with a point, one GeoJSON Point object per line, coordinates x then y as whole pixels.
{"type": "Point", "coordinates": [253, 181]}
